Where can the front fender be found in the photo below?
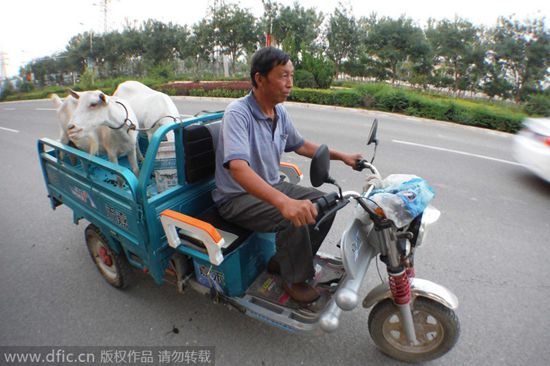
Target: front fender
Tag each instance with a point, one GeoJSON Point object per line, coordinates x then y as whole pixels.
{"type": "Point", "coordinates": [419, 287]}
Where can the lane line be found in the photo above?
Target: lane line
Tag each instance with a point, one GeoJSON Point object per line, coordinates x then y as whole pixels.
{"type": "Point", "coordinates": [457, 152]}
{"type": "Point", "coordinates": [9, 129]}
{"type": "Point", "coordinates": [9, 109]}
{"type": "Point", "coordinates": [45, 109]}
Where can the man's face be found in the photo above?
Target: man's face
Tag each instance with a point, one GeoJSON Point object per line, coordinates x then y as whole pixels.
{"type": "Point", "coordinates": [278, 83]}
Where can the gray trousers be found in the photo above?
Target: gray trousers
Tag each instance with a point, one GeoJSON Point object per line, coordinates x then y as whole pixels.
{"type": "Point", "coordinates": [296, 246]}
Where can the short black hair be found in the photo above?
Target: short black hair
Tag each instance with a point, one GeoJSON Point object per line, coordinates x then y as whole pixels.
{"type": "Point", "coordinates": [265, 60]}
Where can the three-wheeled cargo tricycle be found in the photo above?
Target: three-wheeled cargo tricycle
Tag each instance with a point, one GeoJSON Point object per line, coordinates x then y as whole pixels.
{"type": "Point", "coordinates": [165, 223]}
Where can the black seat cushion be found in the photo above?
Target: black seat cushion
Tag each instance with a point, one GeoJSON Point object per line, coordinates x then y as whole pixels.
{"type": "Point", "coordinates": [212, 217]}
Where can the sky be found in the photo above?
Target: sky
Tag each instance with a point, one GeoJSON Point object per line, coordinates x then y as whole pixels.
{"type": "Point", "coordinates": [31, 29]}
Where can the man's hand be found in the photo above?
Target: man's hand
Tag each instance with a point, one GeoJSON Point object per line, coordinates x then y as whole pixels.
{"type": "Point", "coordinates": [299, 212]}
{"type": "Point", "coordinates": [351, 159]}
{"type": "Point", "coordinates": [309, 148]}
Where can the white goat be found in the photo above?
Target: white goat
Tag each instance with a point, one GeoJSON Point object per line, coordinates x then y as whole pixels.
{"type": "Point", "coordinates": [104, 124]}
{"type": "Point", "coordinates": [153, 108]}
{"type": "Point", "coordinates": [65, 109]}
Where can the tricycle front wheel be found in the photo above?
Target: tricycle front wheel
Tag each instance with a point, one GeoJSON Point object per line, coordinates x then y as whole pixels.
{"type": "Point", "coordinates": [112, 266]}
{"type": "Point", "coordinates": [437, 330]}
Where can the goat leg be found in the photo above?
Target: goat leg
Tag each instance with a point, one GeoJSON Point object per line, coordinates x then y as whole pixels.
{"type": "Point", "coordinates": [132, 159]}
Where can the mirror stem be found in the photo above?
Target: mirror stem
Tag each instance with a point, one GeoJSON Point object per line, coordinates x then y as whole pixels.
{"type": "Point", "coordinates": [374, 154]}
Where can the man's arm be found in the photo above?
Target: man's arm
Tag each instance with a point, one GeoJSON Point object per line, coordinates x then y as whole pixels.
{"type": "Point", "coordinates": [308, 149]}
{"type": "Point", "coordinates": [299, 212]}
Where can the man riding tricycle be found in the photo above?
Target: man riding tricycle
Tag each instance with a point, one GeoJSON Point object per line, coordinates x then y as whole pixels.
{"type": "Point", "coordinates": [231, 227]}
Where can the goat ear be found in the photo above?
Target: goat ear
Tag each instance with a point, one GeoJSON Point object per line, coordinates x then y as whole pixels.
{"type": "Point", "coordinates": [102, 98]}
{"type": "Point", "coordinates": [74, 94]}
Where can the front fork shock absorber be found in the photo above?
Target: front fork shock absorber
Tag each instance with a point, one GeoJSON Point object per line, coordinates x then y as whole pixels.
{"type": "Point", "coordinates": [401, 291]}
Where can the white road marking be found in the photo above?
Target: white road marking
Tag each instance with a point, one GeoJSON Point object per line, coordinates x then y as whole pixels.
{"type": "Point", "coordinates": [45, 109]}
{"type": "Point", "coordinates": [8, 129]}
{"type": "Point", "coordinates": [457, 152]}
{"type": "Point", "coordinates": [9, 109]}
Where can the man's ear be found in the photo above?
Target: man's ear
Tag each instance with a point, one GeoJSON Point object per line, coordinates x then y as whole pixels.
{"type": "Point", "coordinates": [258, 78]}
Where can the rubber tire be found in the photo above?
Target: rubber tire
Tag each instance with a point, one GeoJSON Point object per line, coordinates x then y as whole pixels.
{"type": "Point", "coordinates": [444, 316]}
{"type": "Point", "coordinates": [120, 269]}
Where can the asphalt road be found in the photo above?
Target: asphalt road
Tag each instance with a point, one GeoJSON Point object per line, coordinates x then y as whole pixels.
{"type": "Point", "coordinates": [491, 247]}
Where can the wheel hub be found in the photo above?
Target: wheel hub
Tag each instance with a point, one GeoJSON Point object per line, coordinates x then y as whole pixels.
{"type": "Point", "coordinates": [105, 257]}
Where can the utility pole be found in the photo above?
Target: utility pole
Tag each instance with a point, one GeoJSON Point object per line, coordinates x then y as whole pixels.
{"type": "Point", "coordinates": [105, 9]}
{"type": "Point", "coordinates": [3, 66]}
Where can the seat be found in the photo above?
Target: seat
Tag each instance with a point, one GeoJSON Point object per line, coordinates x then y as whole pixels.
{"type": "Point", "coordinates": [199, 143]}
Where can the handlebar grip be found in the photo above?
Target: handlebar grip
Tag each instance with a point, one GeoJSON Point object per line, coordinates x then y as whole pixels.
{"type": "Point", "coordinates": [324, 203]}
{"type": "Point", "coordinates": [359, 165]}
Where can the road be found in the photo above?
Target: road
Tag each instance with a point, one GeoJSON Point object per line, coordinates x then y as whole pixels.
{"type": "Point", "coordinates": [490, 247]}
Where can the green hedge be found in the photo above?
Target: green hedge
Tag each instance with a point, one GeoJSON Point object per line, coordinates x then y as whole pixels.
{"type": "Point", "coordinates": [381, 97]}
{"type": "Point", "coordinates": [218, 93]}
{"type": "Point", "coordinates": [344, 98]}
{"type": "Point", "coordinates": [387, 98]}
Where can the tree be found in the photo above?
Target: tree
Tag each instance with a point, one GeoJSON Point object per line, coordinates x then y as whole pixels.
{"type": "Point", "coordinates": [323, 69]}
{"type": "Point", "coordinates": [201, 45]}
{"type": "Point", "coordinates": [390, 43]}
{"type": "Point", "coordinates": [271, 9]}
{"type": "Point", "coordinates": [523, 49]}
{"type": "Point", "coordinates": [458, 53]}
{"type": "Point", "coordinates": [342, 36]}
{"type": "Point", "coordinates": [235, 31]}
{"type": "Point", "coordinates": [160, 41]}
{"type": "Point", "coordinates": [297, 29]}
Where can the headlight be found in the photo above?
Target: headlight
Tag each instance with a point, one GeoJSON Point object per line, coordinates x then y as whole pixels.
{"type": "Point", "coordinates": [429, 216]}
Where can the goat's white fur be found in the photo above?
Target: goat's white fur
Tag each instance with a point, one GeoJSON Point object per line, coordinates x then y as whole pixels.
{"type": "Point", "coordinates": [91, 126]}
{"type": "Point", "coordinates": [149, 105]}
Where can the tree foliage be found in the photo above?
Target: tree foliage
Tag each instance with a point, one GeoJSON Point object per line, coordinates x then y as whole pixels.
{"type": "Point", "coordinates": [390, 43]}
{"type": "Point", "coordinates": [342, 36]}
{"type": "Point", "coordinates": [523, 50]}
{"type": "Point", "coordinates": [235, 31]}
{"type": "Point", "coordinates": [509, 60]}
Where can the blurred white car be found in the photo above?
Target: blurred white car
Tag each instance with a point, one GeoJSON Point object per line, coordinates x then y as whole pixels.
{"type": "Point", "coordinates": [532, 146]}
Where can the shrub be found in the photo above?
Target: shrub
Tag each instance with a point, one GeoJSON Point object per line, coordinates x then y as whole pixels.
{"type": "Point", "coordinates": [391, 100]}
{"type": "Point", "coordinates": [218, 93]}
{"type": "Point", "coordinates": [6, 91]}
{"type": "Point", "coordinates": [314, 96]}
{"type": "Point", "coordinates": [26, 87]}
{"type": "Point", "coordinates": [323, 69]}
{"type": "Point", "coordinates": [187, 88]}
{"type": "Point", "coordinates": [88, 78]}
{"type": "Point", "coordinates": [304, 79]}
{"type": "Point", "coordinates": [538, 105]}
{"type": "Point", "coordinates": [348, 98]}
{"type": "Point", "coordinates": [164, 71]}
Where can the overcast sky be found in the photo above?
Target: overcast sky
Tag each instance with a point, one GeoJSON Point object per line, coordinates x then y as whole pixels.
{"type": "Point", "coordinates": [36, 28]}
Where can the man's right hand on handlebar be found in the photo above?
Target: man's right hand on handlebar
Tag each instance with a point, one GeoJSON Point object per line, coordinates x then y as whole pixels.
{"type": "Point", "coordinates": [299, 212]}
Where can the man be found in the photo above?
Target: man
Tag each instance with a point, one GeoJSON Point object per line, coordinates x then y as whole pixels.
{"type": "Point", "coordinates": [256, 130]}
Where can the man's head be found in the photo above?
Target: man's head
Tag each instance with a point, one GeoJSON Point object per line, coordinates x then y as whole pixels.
{"type": "Point", "coordinates": [272, 73]}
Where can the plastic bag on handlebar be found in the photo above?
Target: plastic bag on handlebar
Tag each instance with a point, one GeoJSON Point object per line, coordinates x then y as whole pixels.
{"type": "Point", "coordinates": [403, 197]}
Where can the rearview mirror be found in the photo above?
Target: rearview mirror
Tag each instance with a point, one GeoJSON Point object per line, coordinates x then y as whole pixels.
{"type": "Point", "coordinates": [372, 133]}
{"type": "Point", "coordinates": [320, 166]}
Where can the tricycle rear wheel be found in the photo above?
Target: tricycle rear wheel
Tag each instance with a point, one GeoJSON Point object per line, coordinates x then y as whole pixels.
{"type": "Point", "coordinates": [113, 266]}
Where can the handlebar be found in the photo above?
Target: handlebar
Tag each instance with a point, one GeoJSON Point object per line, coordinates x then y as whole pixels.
{"type": "Point", "coordinates": [361, 164]}
{"type": "Point", "coordinates": [327, 205]}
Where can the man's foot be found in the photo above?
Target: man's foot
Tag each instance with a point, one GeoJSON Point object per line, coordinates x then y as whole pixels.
{"type": "Point", "coordinates": [301, 292]}
{"type": "Point", "coordinates": [273, 266]}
